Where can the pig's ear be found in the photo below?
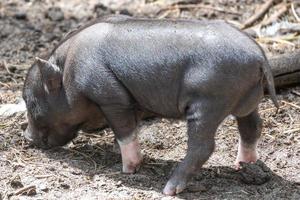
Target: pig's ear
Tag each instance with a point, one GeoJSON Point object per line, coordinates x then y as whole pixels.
{"type": "Point", "coordinates": [51, 75]}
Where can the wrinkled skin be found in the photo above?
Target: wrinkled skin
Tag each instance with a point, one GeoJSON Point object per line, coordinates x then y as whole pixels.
{"type": "Point", "coordinates": [118, 69]}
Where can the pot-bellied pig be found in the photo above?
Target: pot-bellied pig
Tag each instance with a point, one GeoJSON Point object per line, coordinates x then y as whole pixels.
{"type": "Point", "coordinates": [115, 70]}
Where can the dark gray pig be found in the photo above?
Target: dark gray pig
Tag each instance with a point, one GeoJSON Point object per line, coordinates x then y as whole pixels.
{"type": "Point", "coordinates": [117, 69]}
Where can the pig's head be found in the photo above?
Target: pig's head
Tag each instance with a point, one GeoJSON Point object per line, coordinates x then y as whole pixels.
{"type": "Point", "coordinates": [53, 118]}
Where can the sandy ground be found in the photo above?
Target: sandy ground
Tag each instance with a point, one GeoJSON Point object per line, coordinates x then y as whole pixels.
{"type": "Point", "coordinates": [89, 167]}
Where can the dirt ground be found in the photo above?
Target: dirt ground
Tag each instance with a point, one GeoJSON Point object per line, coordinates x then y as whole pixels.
{"type": "Point", "coordinates": [89, 167]}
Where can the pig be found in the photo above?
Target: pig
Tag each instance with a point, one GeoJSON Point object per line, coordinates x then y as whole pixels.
{"type": "Point", "coordinates": [117, 69]}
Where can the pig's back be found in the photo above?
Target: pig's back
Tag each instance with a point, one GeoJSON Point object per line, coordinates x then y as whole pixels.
{"type": "Point", "coordinates": [151, 57]}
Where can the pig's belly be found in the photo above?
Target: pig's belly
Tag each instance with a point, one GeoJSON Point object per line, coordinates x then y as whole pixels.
{"type": "Point", "coordinates": [154, 85]}
{"type": "Point", "coordinates": [163, 103]}
{"type": "Point", "coordinates": [157, 94]}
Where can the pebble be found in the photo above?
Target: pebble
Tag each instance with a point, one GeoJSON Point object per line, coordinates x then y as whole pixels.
{"type": "Point", "coordinates": [55, 14]}
{"type": "Point", "coordinates": [21, 16]}
{"type": "Point", "coordinates": [119, 183]}
{"type": "Point", "coordinates": [65, 186]}
{"type": "Point", "coordinates": [197, 188]}
{"type": "Point", "coordinates": [16, 182]}
{"type": "Point", "coordinates": [44, 188]}
{"type": "Point", "coordinates": [31, 192]}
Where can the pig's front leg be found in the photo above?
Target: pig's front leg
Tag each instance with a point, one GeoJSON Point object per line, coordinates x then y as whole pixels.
{"type": "Point", "coordinates": [202, 120]}
{"type": "Point", "coordinates": [123, 121]}
{"type": "Point", "coordinates": [131, 154]}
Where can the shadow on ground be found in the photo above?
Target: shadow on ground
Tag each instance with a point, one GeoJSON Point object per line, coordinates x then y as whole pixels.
{"type": "Point", "coordinates": [252, 182]}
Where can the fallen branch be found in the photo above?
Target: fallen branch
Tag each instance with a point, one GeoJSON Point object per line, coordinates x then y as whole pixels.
{"type": "Point", "coordinates": [259, 14]}
{"type": "Point", "coordinates": [285, 63]}
{"type": "Point", "coordinates": [283, 7]}
{"type": "Point", "coordinates": [286, 69]}
{"type": "Point", "coordinates": [186, 6]}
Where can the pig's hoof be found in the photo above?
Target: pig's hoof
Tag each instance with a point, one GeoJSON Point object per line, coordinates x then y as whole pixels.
{"type": "Point", "coordinates": [246, 156]}
{"type": "Point", "coordinates": [237, 163]}
{"type": "Point", "coordinates": [130, 169]}
{"type": "Point", "coordinates": [172, 189]}
{"type": "Point", "coordinates": [133, 167]}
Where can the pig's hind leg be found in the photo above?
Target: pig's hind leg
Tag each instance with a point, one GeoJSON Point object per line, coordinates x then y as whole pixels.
{"type": "Point", "coordinates": [203, 118]}
{"type": "Point", "coordinates": [250, 127]}
{"type": "Point", "coordinates": [124, 121]}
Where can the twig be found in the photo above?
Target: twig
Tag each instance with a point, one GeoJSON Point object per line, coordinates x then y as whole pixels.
{"type": "Point", "coordinates": [97, 147]}
{"type": "Point", "coordinates": [6, 188]}
{"type": "Point", "coordinates": [277, 40]}
{"type": "Point", "coordinates": [295, 93]}
{"type": "Point", "coordinates": [282, 40]}
{"type": "Point", "coordinates": [291, 130]}
{"type": "Point", "coordinates": [185, 6]}
{"type": "Point", "coordinates": [163, 15]}
{"type": "Point", "coordinates": [291, 104]}
{"type": "Point", "coordinates": [43, 176]}
{"type": "Point", "coordinates": [245, 192]}
{"type": "Point", "coordinates": [270, 109]}
{"type": "Point", "coordinates": [4, 84]}
{"type": "Point", "coordinates": [235, 23]}
{"type": "Point", "coordinates": [18, 155]}
{"type": "Point", "coordinates": [294, 13]}
{"type": "Point", "coordinates": [282, 9]}
{"type": "Point", "coordinates": [259, 14]}
{"type": "Point", "coordinates": [85, 156]}
{"type": "Point", "coordinates": [295, 28]}
{"type": "Point", "coordinates": [291, 119]}
{"type": "Point", "coordinates": [24, 189]}
{"type": "Point", "coordinates": [5, 66]}
{"type": "Point", "coordinates": [94, 135]}
{"type": "Point", "coordinates": [270, 136]}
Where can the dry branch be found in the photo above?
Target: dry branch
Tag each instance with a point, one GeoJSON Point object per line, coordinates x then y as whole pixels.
{"type": "Point", "coordinates": [191, 6]}
{"type": "Point", "coordinates": [283, 7]}
{"type": "Point", "coordinates": [259, 14]}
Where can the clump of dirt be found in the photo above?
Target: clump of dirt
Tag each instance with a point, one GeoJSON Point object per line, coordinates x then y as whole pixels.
{"type": "Point", "coordinates": [254, 173]}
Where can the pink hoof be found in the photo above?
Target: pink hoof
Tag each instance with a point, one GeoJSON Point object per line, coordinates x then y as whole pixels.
{"type": "Point", "coordinates": [173, 189]}
{"type": "Point", "coordinates": [131, 156]}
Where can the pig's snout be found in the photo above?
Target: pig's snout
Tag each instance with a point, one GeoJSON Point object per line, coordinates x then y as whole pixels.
{"type": "Point", "coordinates": [23, 126]}
{"type": "Point", "coordinates": [40, 143]}
{"type": "Point", "coordinates": [27, 135]}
